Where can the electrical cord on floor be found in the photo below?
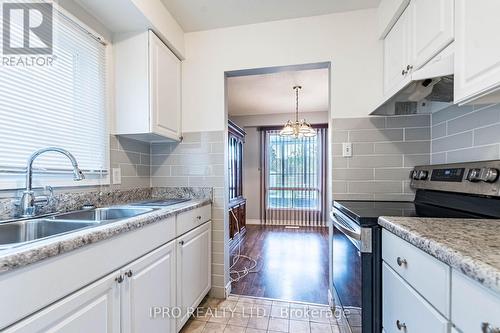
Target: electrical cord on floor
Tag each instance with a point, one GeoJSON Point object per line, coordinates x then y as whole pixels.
{"type": "Point", "coordinates": [241, 273]}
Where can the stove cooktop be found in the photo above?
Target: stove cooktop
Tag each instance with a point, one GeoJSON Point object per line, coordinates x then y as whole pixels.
{"type": "Point", "coordinates": [366, 213]}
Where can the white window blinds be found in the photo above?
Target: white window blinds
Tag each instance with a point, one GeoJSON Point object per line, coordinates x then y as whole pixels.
{"type": "Point", "coordinates": [62, 105]}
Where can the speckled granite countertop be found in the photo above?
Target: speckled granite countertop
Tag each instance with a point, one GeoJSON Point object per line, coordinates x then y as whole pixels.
{"type": "Point", "coordinates": [24, 255]}
{"type": "Point", "coordinates": [468, 245]}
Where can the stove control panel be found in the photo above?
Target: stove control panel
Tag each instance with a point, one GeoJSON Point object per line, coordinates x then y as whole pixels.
{"type": "Point", "coordinates": [488, 175]}
{"type": "Point", "coordinates": [448, 175]}
{"type": "Point", "coordinates": [481, 178]}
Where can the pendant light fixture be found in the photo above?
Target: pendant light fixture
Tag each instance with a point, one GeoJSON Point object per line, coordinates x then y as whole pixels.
{"type": "Point", "coordinates": [297, 129]}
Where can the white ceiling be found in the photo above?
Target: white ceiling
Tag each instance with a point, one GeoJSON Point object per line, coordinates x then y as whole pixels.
{"type": "Point", "coordinates": [195, 15]}
{"type": "Point", "coordinates": [273, 93]}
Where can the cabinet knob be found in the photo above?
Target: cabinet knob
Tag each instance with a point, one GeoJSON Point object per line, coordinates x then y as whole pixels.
{"type": "Point", "coordinates": [129, 273]}
{"type": "Point", "coordinates": [119, 279]}
{"type": "Point", "coordinates": [404, 72]}
{"type": "Point", "coordinates": [401, 262]}
{"type": "Point", "coordinates": [198, 217]}
{"type": "Point", "coordinates": [409, 68]}
{"type": "Point", "coordinates": [487, 328]}
{"type": "Point", "coordinates": [181, 242]}
{"type": "Point", "coordinates": [400, 325]}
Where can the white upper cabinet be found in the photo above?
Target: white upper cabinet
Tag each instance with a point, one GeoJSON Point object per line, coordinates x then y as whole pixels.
{"type": "Point", "coordinates": [396, 55]}
{"type": "Point", "coordinates": [423, 30]}
{"type": "Point", "coordinates": [477, 57]}
{"type": "Point", "coordinates": [432, 29]}
{"type": "Point", "coordinates": [147, 87]}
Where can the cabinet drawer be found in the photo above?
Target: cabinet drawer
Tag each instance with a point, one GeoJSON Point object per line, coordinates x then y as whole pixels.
{"type": "Point", "coordinates": [427, 275]}
{"type": "Point", "coordinates": [191, 219]}
{"type": "Point", "coordinates": [402, 304]}
{"type": "Point", "coordinates": [472, 304]}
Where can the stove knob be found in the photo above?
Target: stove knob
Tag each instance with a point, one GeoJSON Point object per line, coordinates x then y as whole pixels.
{"type": "Point", "coordinates": [422, 175]}
{"type": "Point", "coordinates": [474, 175]}
{"type": "Point", "coordinates": [489, 175]}
{"type": "Point", "coordinates": [414, 175]}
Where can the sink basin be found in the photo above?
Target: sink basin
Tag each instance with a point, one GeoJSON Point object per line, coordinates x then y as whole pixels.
{"type": "Point", "coordinates": [103, 214]}
{"type": "Point", "coordinates": [24, 231]}
{"type": "Point", "coordinates": [17, 233]}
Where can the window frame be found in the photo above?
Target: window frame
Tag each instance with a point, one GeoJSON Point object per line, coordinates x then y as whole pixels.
{"type": "Point", "coordinates": [13, 180]}
{"type": "Point", "coordinates": [316, 189]}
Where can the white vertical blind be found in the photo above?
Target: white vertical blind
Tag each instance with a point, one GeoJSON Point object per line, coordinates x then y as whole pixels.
{"type": "Point", "coordinates": [62, 105]}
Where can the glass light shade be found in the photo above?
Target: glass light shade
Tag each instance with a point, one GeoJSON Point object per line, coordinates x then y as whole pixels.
{"type": "Point", "coordinates": [287, 130]}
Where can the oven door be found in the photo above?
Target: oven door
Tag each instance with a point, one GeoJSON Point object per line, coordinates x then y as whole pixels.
{"type": "Point", "coordinates": [348, 254]}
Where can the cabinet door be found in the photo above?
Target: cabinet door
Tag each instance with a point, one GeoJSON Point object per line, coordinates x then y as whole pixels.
{"type": "Point", "coordinates": [473, 305]}
{"type": "Point", "coordinates": [95, 308]}
{"type": "Point", "coordinates": [193, 268]}
{"type": "Point", "coordinates": [396, 55]}
{"type": "Point", "coordinates": [477, 49]}
{"type": "Point", "coordinates": [404, 310]}
{"type": "Point", "coordinates": [165, 89]}
{"type": "Point", "coordinates": [432, 29]}
{"type": "Point", "coordinates": [149, 282]}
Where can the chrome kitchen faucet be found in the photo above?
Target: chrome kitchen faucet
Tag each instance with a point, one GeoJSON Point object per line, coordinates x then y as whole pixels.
{"type": "Point", "coordinates": [28, 200]}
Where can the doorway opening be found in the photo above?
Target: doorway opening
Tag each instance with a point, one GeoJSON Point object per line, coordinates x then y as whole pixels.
{"type": "Point", "coordinates": [277, 182]}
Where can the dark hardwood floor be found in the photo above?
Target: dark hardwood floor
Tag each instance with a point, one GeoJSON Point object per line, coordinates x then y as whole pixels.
{"type": "Point", "coordinates": [292, 264]}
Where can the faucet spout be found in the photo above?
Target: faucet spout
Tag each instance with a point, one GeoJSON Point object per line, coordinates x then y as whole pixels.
{"type": "Point", "coordinates": [28, 199]}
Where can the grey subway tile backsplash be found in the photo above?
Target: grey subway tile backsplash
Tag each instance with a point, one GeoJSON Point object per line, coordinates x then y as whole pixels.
{"type": "Point", "coordinates": [438, 130]}
{"type": "Point", "coordinates": [474, 154]}
{"type": "Point", "coordinates": [450, 113]}
{"type": "Point", "coordinates": [421, 120]}
{"type": "Point", "coordinates": [419, 133]}
{"type": "Point", "coordinates": [452, 142]}
{"type": "Point", "coordinates": [377, 135]}
{"type": "Point", "coordinates": [133, 158]}
{"type": "Point", "coordinates": [360, 123]}
{"type": "Point", "coordinates": [384, 149]}
{"type": "Point", "coordinates": [487, 135]}
{"type": "Point", "coordinates": [197, 161]}
{"type": "Point", "coordinates": [467, 133]}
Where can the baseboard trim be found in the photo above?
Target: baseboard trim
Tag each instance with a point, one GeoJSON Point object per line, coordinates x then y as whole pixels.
{"type": "Point", "coordinates": [228, 289]}
{"type": "Point", "coordinates": [253, 221]}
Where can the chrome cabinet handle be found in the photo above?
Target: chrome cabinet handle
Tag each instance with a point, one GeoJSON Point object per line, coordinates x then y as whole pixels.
{"type": "Point", "coordinates": [129, 273]}
{"type": "Point", "coordinates": [400, 325]}
{"type": "Point", "coordinates": [401, 262]}
{"type": "Point", "coordinates": [119, 279]}
{"type": "Point", "coordinates": [487, 328]}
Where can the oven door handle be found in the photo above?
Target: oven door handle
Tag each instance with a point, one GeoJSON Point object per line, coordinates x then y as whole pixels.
{"type": "Point", "coordinates": [346, 231]}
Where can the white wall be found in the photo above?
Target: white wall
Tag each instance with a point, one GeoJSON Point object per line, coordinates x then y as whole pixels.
{"type": "Point", "coordinates": [348, 40]}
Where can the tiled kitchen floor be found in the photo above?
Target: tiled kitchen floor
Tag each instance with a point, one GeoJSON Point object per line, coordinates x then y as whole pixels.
{"type": "Point", "coordinates": [239, 314]}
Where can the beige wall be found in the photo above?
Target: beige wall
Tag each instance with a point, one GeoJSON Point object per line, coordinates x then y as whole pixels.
{"type": "Point", "coordinates": [251, 153]}
{"type": "Point", "coordinates": [347, 40]}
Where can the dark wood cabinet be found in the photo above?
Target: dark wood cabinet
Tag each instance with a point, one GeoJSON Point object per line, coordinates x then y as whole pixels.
{"type": "Point", "coordinates": [237, 203]}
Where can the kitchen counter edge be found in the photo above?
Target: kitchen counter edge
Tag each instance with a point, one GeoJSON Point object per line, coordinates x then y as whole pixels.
{"type": "Point", "coordinates": [18, 257]}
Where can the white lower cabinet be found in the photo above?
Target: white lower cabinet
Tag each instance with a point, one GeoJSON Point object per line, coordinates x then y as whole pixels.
{"type": "Point", "coordinates": [473, 306]}
{"type": "Point", "coordinates": [193, 269]}
{"type": "Point", "coordinates": [176, 275]}
{"type": "Point", "coordinates": [149, 282]}
{"type": "Point", "coordinates": [405, 310]}
{"type": "Point", "coordinates": [417, 290]}
{"type": "Point", "coordinates": [95, 308]}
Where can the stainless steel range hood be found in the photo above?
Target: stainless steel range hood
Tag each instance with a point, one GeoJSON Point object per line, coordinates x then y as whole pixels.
{"type": "Point", "coordinates": [432, 83]}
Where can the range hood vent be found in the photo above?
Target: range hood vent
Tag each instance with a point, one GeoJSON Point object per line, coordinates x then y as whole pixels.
{"type": "Point", "coordinates": [431, 83]}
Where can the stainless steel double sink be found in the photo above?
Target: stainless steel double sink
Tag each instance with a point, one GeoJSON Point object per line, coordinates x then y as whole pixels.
{"type": "Point", "coordinates": [16, 233]}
